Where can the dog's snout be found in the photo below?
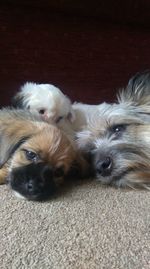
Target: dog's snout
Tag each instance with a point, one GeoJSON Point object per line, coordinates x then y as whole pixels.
{"type": "Point", "coordinates": [104, 166]}
{"type": "Point", "coordinates": [47, 172]}
{"type": "Point", "coordinates": [34, 181]}
{"type": "Point", "coordinates": [33, 186]}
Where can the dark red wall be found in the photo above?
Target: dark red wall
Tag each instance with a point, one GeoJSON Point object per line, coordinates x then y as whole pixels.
{"type": "Point", "coordinates": [87, 58]}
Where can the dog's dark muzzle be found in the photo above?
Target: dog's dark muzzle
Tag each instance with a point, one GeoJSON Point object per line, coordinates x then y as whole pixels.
{"type": "Point", "coordinates": [104, 167]}
{"type": "Point", "coordinates": [33, 181]}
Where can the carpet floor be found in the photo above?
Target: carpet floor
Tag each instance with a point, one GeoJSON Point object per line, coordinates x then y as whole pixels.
{"type": "Point", "coordinates": [87, 226]}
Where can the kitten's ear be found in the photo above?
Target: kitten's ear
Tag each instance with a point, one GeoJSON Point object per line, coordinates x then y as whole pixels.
{"type": "Point", "coordinates": [17, 100]}
{"type": "Point", "coordinates": [137, 91]}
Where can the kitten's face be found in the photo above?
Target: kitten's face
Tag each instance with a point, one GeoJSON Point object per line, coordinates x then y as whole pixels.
{"type": "Point", "coordinates": [45, 100]}
{"type": "Point", "coordinates": [52, 111]}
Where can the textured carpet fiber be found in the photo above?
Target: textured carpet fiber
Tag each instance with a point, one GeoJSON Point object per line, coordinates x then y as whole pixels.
{"type": "Point", "coordinates": [85, 227]}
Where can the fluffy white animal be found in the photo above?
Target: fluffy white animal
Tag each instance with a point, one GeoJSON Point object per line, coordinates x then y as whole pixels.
{"type": "Point", "coordinates": [54, 107]}
{"type": "Point", "coordinates": [46, 100]}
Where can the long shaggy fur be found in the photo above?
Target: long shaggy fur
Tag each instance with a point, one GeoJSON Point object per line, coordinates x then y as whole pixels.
{"type": "Point", "coordinates": [117, 138]}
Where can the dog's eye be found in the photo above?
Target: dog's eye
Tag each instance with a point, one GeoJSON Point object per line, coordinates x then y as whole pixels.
{"type": "Point", "coordinates": [59, 172]}
{"type": "Point", "coordinates": [42, 111]}
{"type": "Point", "coordinates": [31, 156]}
{"type": "Point", "coordinates": [118, 129]}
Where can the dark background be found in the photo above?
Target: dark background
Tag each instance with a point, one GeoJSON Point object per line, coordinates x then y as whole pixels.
{"type": "Point", "coordinates": [87, 48]}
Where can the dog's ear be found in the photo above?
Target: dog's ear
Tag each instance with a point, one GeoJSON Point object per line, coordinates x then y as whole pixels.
{"type": "Point", "coordinates": [8, 148]}
{"type": "Point", "coordinates": [17, 100]}
{"type": "Point", "coordinates": [137, 92]}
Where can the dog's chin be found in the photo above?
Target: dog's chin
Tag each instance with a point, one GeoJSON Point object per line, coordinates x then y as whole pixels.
{"type": "Point", "coordinates": [33, 182]}
{"type": "Point", "coordinates": [116, 180]}
{"type": "Point", "coordinates": [104, 180]}
{"type": "Point", "coordinates": [41, 196]}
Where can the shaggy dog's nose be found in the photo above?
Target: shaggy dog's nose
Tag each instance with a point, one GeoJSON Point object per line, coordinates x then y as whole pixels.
{"type": "Point", "coordinates": [104, 167]}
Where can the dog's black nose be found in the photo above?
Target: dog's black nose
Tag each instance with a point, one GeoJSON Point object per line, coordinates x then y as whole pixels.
{"type": "Point", "coordinates": [104, 167]}
{"type": "Point", "coordinates": [30, 186]}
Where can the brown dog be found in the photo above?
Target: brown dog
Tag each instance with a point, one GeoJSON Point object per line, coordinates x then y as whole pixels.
{"type": "Point", "coordinates": [34, 156]}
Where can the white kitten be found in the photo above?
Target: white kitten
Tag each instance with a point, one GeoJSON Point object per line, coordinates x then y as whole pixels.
{"type": "Point", "coordinates": [46, 100]}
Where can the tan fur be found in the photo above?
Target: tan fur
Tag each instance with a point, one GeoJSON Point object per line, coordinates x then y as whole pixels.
{"type": "Point", "coordinates": [50, 143]}
{"type": "Point", "coordinates": [3, 174]}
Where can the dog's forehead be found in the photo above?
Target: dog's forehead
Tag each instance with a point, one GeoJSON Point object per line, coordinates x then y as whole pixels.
{"type": "Point", "coordinates": [48, 140]}
{"type": "Point", "coordinates": [109, 110]}
{"type": "Point", "coordinates": [51, 146]}
{"type": "Point", "coordinates": [108, 115]}
{"type": "Point", "coordinates": [105, 115]}
{"type": "Point", "coordinates": [115, 114]}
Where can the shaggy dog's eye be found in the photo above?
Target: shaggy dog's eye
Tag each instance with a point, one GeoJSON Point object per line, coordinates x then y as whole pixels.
{"type": "Point", "coordinates": [118, 129]}
{"type": "Point", "coordinates": [31, 156]}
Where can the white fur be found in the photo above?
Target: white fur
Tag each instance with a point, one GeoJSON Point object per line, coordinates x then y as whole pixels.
{"type": "Point", "coordinates": [18, 195]}
{"type": "Point", "coordinates": [51, 99]}
{"type": "Point", "coordinates": [46, 97]}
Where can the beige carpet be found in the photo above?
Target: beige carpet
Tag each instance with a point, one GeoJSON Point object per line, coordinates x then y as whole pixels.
{"type": "Point", "coordinates": [86, 227]}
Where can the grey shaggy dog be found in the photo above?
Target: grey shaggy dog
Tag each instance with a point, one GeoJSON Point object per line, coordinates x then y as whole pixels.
{"type": "Point", "coordinates": [117, 138]}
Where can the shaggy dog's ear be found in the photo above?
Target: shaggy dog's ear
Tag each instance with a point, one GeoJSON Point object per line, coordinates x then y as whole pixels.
{"type": "Point", "coordinates": [136, 96]}
{"type": "Point", "coordinates": [137, 92]}
{"type": "Point", "coordinates": [17, 100]}
{"type": "Point", "coordinates": [8, 148]}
